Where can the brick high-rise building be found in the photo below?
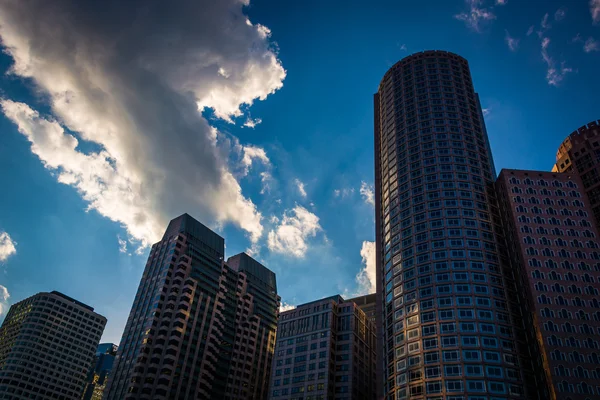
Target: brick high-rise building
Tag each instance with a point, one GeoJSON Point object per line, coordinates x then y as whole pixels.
{"type": "Point", "coordinates": [47, 343]}
{"type": "Point", "coordinates": [554, 251]}
{"type": "Point", "coordinates": [580, 153]}
{"type": "Point", "coordinates": [445, 326]}
{"type": "Point", "coordinates": [325, 350]}
{"type": "Point", "coordinates": [200, 327]}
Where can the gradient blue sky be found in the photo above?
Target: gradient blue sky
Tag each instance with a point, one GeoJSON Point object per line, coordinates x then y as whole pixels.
{"type": "Point", "coordinates": [316, 130]}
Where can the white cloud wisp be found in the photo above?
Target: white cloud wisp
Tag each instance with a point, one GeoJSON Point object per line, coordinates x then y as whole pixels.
{"type": "Point", "coordinates": [476, 15]}
{"type": "Point", "coordinates": [8, 247]}
{"type": "Point", "coordinates": [4, 296]}
{"type": "Point", "coordinates": [595, 10]}
{"type": "Point", "coordinates": [367, 193]}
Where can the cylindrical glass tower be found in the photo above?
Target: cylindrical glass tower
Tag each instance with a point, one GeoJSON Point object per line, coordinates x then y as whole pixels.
{"type": "Point", "coordinates": [443, 318]}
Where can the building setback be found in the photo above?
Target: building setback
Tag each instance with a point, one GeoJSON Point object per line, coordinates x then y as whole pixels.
{"type": "Point", "coordinates": [368, 304]}
{"type": "Point", "coordinates": [99, 371]}
{"type": "Point", "coordinates": [325, 350]}
{"type": "Point", "coordinates": [199, 327]}
{"type": "Point", "coordinates": [47, 343]}
{"type": "Point", "coordinates": [553, 248]}
{"type": "Point", "coordinates": [580, 153]}
{"type": "Point", "coordinates": [444, 325]}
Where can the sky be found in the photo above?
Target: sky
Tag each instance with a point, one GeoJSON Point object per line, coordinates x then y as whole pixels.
{"type": "Point", "coordinates": [255, 117]}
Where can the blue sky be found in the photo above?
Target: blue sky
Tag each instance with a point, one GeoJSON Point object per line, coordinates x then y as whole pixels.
{"type": "Point", "coordinates": [77, 217]}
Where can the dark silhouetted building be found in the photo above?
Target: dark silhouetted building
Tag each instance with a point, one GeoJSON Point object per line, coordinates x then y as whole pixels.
{"type": "Point", "coordinates": [200, 327]}
{"type": "Point", "coordinates": [444, 323]}
{"type": "Point", "coordinates": [325, 350]}
{"type": "Point", "coordinates": [47, 343]}
{"type": "Point", "coordinates": [580, 153]}
{"type": "Point", "coordinates": [99, 371]}
{"type": "Point", "coordinates": [553, 248]}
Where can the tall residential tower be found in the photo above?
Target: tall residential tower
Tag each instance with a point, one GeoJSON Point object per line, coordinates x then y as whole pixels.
{"type": "Point", "coordinates": [444, 325]}
{"type": "Point", "coordinates": [200, 327]}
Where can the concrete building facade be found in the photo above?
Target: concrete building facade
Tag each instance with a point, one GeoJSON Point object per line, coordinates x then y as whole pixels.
{"type": "Point", "coordinates": [553, 248]}
{"type": "Point", "coordinates": [199, 327]}
{"type": "Point", "coordinates": [47, 343]}
{"type": "Point", "coordinates": [580, 153]}
{"type": "Point", "coordinates": [325, 350]}
{"type": "Point", "coordinates": [445, 328]}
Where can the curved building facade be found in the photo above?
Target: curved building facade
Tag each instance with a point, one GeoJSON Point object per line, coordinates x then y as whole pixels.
{"type": "Point", "coordinates": [580, 153]}
{"type": "Point", "coordinates": [445, 326]}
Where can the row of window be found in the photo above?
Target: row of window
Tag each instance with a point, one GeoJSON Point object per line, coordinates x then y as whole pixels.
{"type": "Point", "coordinates": [556, 276]}
{"type": "Point", "coordinates": [453, 386]}
{"type": "Point", "coordinates": [560, 300]}
{"type": "Point", "coordinates": [573, 289]}
{"type": "Point", "coordinates": [568, 327]}
{"type": "Point", "coordinates": [542, 182]}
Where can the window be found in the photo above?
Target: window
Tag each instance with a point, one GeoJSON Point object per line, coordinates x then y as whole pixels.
{"type": "Point", "coordinates": [471, 355]}
{"type": "Point", "coordinates": [451, 355]}
{"type": "Point", "coordinates": [473, 370]}
{"type": "Point", "coordinates": [454, 386]}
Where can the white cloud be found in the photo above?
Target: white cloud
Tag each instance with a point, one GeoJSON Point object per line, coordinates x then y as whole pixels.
{"type": "Point", "coordinates": [513, 43]}
{"type": "Point", "coordinates": [4, 296]}
{"type": "Point", "coordinates": [501, 2]}
{"type": "Point", "coordinates": [343, 193]}
{"type": "Point", "coordinates": [555, 74]}
{"type": "Point", "coordinates": [7, 246]}
{"type": "Point", "coordinates": [403, 47]}
{"type": "Point", "coordinates": [486, 111]}
{"type": "Point", "coordinates": [251, 154]}
{"type": "Point", "coordinates": [291, 235]}
{"type": "Point", "coordinates": [476, 15]}
{"type": "Point", "coordinates": [595, 10]}
{"type": "Point", "coordinates": [530, 30]}
{"type": "Point", "coordinates": [545, 24]}
{"type": "Point", "coordinates": [591, 45]}
{"type": "Point", "coordinates": [366, 278]}
{"type": "Point", "coordinates": [251, 123]}
{"type": "Point", "coordinates": [367, 193]}
{"type": "Point", "coordinates": [136, 91]}
{"type": "Point", "coordinates": [122, 244]}
{"type": "Point", "coordinates": [300, 186]}
{"type": "Point", "coordinates": [286, 307]}
{"type": "Point", "coordinates": [265, 179]}
{"type": "Point", "coordinates": [560, 14]}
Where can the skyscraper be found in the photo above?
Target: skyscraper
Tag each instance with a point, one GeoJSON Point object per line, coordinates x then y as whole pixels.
{"type": "Point", "coordinates": [99, 371]}
{"type": "Point", "coordinates": [444, 325]}
{"type": "Point", "coordinates": [553, 248]}
{"type": "Point", "coordinates": [199, 327]}
{"type": "Point", "coordinates": [325, 350]}
{"type": "Point", "coordinates": [580, 153]}
{"type": "Point", "coordinates": [47, 343]}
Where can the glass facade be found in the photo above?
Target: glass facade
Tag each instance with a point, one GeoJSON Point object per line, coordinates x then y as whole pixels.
{"type": "Point", "coordinates": [443, 317]}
